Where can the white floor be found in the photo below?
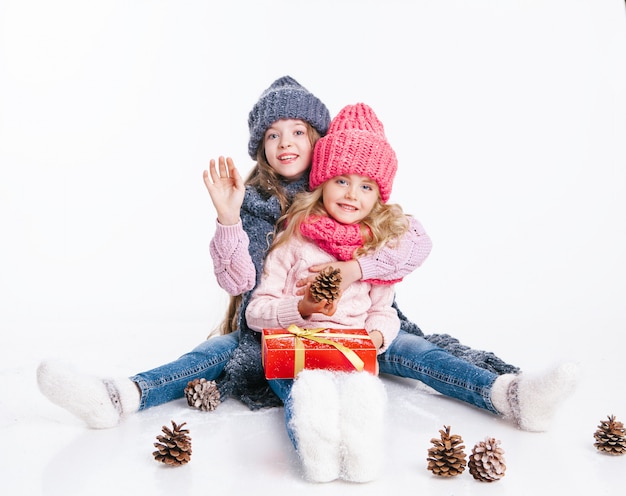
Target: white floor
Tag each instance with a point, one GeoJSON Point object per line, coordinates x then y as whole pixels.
{"type": "Point", "coordinates": [46, 451]}
{"type": "Point", "coordinates": [508, 119]}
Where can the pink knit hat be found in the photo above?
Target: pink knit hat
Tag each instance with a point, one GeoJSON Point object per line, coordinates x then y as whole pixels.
{"type": "Point", "coordinates": [355, 144]}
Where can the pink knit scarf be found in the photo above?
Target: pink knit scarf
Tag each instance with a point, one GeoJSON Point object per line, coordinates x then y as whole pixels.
{"type": "Point", "coordinates": [340, 240]}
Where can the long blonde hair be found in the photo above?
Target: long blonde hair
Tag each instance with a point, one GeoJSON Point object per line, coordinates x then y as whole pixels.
{"type": "Point", "coordinates": [386, 222]}
{"type": "Point", "coordinates": [264, 178]}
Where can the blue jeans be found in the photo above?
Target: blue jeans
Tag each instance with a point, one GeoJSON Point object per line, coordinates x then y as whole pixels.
{"type": "Point", "coordinates": [414, 357]}
{"type": "Point", "coordinates": [282, 388]}
{"type": "Point", "coordinates": [168, 382]}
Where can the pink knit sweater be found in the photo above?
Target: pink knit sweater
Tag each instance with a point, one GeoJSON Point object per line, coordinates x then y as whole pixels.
{"type": "Point", "coordinates": [235, 272]}
{"type": "Point", "coordinates": [274, 303]}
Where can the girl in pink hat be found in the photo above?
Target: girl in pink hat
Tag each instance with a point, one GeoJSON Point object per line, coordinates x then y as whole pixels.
{"type": "Point", "coordinates": [335, 420]}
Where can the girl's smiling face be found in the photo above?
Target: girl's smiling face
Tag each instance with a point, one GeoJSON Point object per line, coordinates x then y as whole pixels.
{"type": "Point", "coordinates": [288, 148]}
{"type": "Point", "coordinates": [349, 198]}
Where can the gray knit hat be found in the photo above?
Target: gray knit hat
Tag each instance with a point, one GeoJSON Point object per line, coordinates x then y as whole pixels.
{"type": "Point", "coordinates": [285, 99]}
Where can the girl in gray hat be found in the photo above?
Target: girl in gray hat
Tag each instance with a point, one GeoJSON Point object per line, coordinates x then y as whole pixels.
{"type": "Point", "coordinates": [245, 219]}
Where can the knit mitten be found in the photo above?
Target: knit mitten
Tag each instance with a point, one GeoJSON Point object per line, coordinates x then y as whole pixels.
{"type": "Point", "coordinates": [363, 403]}
{"type": "Point", "coordinates": [315, 424]}
{"type": "Point", "coordinates": [531, 400]}
{"type": "Point", "coordinates": [99, 402]}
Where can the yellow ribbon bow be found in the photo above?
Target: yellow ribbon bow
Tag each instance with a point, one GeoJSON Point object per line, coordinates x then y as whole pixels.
{"type": "Point", "coordinates": [315, 335]}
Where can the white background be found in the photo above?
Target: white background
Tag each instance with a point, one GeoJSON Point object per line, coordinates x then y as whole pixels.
{"type": "Point", "coordinates": [509, 121]}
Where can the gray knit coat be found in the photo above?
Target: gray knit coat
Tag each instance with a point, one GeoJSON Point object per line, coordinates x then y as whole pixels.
{"type": "Point", "coordinates": [243, 376]}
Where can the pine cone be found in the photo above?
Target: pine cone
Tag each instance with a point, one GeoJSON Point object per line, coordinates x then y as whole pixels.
{"type": "Point", "coordinates": [611, 437]}
{"type": "Point", "coordinates": [446, 458]}
{"type": "Point", "coordinates": [202, 394]}
{"type": "Point", "coordinates": [486, 463]}
{"type": "Point", "coordinates": [175, 446]}
{"type": "Point", "coordinates": [326, 285]}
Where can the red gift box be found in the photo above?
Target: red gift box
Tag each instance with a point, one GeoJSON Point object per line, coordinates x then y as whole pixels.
{"type": "Point", "coordinates": [285, 352]}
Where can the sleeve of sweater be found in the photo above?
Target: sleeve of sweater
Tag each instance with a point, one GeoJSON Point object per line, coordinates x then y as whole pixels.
{"type": "Point", "coordinates": [394, 263]}
{"type": "Point", "coordinates": [232, 264]}
{"type": "Point", "coordinates": [382, 316]}
{"type": "Point", "coordinates": [273, 303]}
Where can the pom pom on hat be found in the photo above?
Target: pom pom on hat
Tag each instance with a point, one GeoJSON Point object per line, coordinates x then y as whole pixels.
{"type": "Point", "coordinates": [285, 99]}
{"type": "Point", "coordinates": [355, 144]}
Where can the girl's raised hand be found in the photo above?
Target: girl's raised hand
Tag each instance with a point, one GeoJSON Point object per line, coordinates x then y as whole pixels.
{"type": "Point", "coordinates": [227, 189]}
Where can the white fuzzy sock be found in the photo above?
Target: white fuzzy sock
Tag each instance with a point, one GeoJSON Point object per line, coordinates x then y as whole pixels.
{"type": "Point", "coordinates": [99, 402]}
{"type": "Point", "coordinates": [531, 400]}
{"type": "Point", "coordinates": [315, 424]}
{"type": "Point", "coordinates": [363, 403]}
{"type": "Point", "coordinates": [499, 394]}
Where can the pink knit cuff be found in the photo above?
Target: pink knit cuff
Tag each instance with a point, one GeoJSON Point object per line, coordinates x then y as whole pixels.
{"type": "Point", "coordinates": [287, 313]}
{"type": "Point", "coordinates": [228, 233]}
{"type": "Point", "coordinates": [382, 282]}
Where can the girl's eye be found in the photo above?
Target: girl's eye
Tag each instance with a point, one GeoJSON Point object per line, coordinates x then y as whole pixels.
{"type": "Point", "coordinates": [299, 133]}
{"type": "Point", "coordinates": [272, 136]}
{"type": "Point", "coordinates": [367, 187]}
{"type": "Point", "coordinates": [342, 181]}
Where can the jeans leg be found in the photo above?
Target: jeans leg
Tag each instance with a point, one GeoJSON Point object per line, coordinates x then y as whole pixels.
{"type": "Point", "coordinates": [168, 382]}
{"type": "Point", "coordinates": [414, 357]}
{"type": "Point", "coordinates": [282, 388]}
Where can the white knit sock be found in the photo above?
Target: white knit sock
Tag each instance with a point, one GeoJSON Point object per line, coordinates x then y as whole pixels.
{"type": "Point", "coordinates": [499, 394]}
{"type": "Point", "coordinates": [99, 402]}
{"type": "Point", "coordinates": [531, 400]}
{"type": "Point", "coordinates": [363, 403]}
{"type": "Point", "coordinates": [315, 424]}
